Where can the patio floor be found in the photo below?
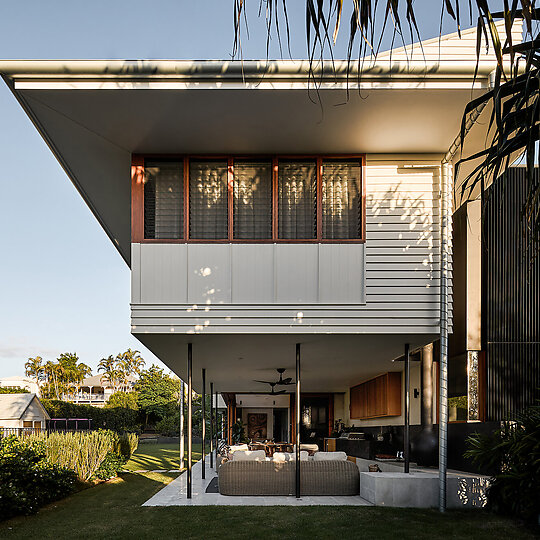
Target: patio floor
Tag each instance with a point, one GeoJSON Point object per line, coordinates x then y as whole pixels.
{"type": "Point", "coordinates": [174, 494]}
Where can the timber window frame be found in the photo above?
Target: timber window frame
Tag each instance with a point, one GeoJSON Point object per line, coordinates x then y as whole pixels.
{"type": "Point", "coordinates": [138, 176]}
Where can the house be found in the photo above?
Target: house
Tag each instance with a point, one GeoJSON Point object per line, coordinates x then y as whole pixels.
{"type": "Point", "coordinates": [20, 382]}
{"type": "Point", "coordinates": [96, 390]}
{"type": "Point", "coordinates": [21, 413]}
{"type": "Point", "coordinates": [296, 256]}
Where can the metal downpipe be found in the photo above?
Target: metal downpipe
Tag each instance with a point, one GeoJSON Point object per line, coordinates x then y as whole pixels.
{"type": "Point", "coordinates": [447, 191]}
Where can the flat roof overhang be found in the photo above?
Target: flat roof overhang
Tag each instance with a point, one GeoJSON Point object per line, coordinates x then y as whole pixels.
{"type": "Point", "coordinates": [95, 114]}
{"type": "Point", "coordinates": [329, 362]}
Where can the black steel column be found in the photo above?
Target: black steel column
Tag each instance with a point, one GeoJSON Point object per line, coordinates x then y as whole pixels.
{"type": "Point", "coordinates": [203, 424]}
{"type": "Point", "coordinates": [297, 414]}
{"type": "Point", "coordinates": [406, 431]}
{"type": "Point", "coordinates": [190, 414]}
{"type": "Point", "coordinates": [216, 410]}
{"type": "Point", "coordinates": [211, 425]}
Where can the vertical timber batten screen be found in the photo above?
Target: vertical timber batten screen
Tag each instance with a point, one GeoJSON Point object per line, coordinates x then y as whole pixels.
{"type": "Point", "coordinates": [511, 310]}
{"type": "Point", "coordinates": [226, 199]}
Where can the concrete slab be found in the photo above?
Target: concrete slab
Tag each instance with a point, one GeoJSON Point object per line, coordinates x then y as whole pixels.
{"type": "Point", "coordinates": [175, 494]}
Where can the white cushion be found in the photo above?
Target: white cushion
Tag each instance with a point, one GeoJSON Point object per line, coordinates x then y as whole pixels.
{"type": "Point", "coordinates": [249, 455]}
{"type": "Point", "coordinates": [304, 455]}
{"type": "Point", "coordinates": [330, 456]}
{"type": "Point", "coordinates": [236, 447]}
{"type": "Point", "coordinates": [280, 457]}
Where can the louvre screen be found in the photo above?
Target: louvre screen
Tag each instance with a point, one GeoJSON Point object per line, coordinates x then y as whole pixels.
{"type": "Point", "coordinates": [208, 200]}
{"type": "Point", "coordinates": [252, 198]}
{"type": "Point", "coordinates": [163, 200]}
{"type": "Point", "coordinates": [297, 199]}
{"type": "Point", "coordinates": [341, 200]}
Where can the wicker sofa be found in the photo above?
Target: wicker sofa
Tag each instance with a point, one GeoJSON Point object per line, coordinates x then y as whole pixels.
{"type": "Point", "coordinates": [274, 478]}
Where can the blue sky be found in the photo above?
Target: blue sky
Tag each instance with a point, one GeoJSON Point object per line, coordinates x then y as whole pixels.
{"type": "Point", "coordinates": [63, 286]}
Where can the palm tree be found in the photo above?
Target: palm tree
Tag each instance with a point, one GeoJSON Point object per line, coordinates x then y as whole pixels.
{"type": "Point", "coordinates": [129, 363]}
{"type": "Point", "coordinates": [514, 98]}
{"type": "Point", "coordinates": [110, 372]}
{"type": "Point", "coordinates": [34, 369]}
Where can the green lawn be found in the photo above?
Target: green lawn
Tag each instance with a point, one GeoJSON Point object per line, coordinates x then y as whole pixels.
{"type": "Point", "coordinates": [151, 456]}
{"type": "Point", "coordinates": [113, 511]}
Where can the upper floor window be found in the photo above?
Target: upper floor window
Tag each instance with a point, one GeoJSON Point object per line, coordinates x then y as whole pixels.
{"type": "Point", "coordinates": [283, 199]}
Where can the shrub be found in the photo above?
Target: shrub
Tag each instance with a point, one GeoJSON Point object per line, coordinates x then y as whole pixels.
{"type": "Point", "coordinates": [126, 444]}
{"type": "Point", "coordinates": [512, 453]}
{"type": "Point", "coordinates": [82, 452]}
{"type": "Point", "coordinates": [86, 451]}
{"type": "Point", "coordinates": [27, 479]}
{"type": "Point", "coordinates": [110, 466]}
{"type": "Point", "coordinates": [169, 426]}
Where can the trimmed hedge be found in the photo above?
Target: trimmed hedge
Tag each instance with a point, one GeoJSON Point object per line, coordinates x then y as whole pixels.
{"type": "Point", "coordinates": [27, 479]}
{"type": "Point", "coordinates": [117, 419]}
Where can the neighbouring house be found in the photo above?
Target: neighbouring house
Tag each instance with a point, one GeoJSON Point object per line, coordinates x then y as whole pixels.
{"type": "Point", "coordinates": [96, 390]}
{"type": "Point", "coordinates": [21, 413]}
{"type": "Point", "coordinates": [20, 382]}
{"type": "Point", "coordinates": [274, 242]}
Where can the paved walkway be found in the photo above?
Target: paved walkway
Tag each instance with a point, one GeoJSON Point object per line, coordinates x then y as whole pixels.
{"type": "Point", "coordinates": [174, 494]}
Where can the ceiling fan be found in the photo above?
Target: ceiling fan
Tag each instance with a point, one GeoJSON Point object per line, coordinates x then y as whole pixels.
{"type": "Point", "coordinates": [280, 382]}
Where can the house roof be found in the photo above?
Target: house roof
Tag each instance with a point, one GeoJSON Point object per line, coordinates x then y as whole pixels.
{"type": "Point", "coordinates": [100, 380]}
{"type": "Point", "coordinates": [94, 114]}
{"type": "Point", "coordinates": [13, 406]}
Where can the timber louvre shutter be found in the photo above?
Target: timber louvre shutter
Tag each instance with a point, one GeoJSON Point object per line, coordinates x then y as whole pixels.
{"type": "Point", "coordinates": [341, 200]}
{"type": "Point", "coordinates": [252, 200]}
{"type": "Point", "coordinates": [297, 199]}
{"type": "Point", "coordinates": [163, 200]}
{"type": "Point", "coordinates": [208, 200]}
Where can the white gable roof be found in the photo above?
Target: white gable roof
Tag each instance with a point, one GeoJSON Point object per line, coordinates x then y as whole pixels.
{"type": "Point", "coordinates": [451, 47]}
{"type": "Point", "coordinates": [13, 406]}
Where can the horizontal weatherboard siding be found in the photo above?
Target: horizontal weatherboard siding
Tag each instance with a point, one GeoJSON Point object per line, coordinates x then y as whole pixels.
{"type": "Point", "coordinates": [390, 284]}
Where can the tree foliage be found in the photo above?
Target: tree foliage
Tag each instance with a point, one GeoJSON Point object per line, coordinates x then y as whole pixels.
{"type": "Point", "coordinates": [512, 454]}
{"type": "Point", "coordinates": [57, 378]}
{"type": "Point", "coordinates": [158, 393]}
{"type": "Point", "coordinates": [514, 98]}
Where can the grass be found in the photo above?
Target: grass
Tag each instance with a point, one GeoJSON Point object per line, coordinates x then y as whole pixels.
{"type": "Point", "coordinates": [151, 456]}
{"type": "Point", "coordinates": [113, 510]}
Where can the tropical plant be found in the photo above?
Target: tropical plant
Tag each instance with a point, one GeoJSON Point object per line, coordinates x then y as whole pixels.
{"type": "Point", "coordinates": [60, 377]}
{"type": "Point", "coordinates": [27, 479]}
{"type": "Point", "coordinates": [34, 369]}
{"type": "Point", "coordinates": [514, 124]}
{"type": "Point", "coordinates": [512, 455]}
{"type": "Point", "coordinates": [129, 363]}
{"type": "Point", "coordinates": [110, 371]}
{"type": "Point", "coordinates": [238, 432]}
